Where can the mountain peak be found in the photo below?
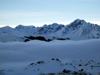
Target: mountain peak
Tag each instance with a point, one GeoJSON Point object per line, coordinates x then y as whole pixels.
{"type": "Point", "coordinates": [77, 30]}
{"type": "Point", "coordinates": [77, 22]}
{"type": "Point", "coordinates": [7, 27]}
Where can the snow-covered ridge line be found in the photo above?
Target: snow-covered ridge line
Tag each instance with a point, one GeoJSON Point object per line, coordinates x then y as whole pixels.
{"type": "Point", "coordinates": [77, 30]}
{"type": "Point", "coordinates": [57, 67]}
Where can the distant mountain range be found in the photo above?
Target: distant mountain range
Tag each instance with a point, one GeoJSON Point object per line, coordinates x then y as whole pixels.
{"type": "Point", "coordinates": [77, 30]}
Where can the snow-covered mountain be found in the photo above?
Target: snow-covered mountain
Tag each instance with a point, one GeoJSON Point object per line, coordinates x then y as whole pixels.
{"type": "Point", "coordinates": [77, 30]}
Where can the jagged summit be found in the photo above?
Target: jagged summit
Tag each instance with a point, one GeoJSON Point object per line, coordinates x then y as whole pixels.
{"type": "Point", "coordinates": [76, 30]}
{"type": "Point", "coordinates": [22, 27]}
{"type": "Point", "coordinates": [78, 22]}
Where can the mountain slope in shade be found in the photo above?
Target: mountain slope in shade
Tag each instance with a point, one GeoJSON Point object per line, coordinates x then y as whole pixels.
{"type": "Point", "coordinates": [77, 30]}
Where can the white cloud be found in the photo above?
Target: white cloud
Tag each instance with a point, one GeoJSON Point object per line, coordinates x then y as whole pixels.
{"type": "Point", "coordinates": [95, 22]}
{"type": "Point", "coordinates": [22, 54]}
{"type": "Point", "coordinates": [26, 14]}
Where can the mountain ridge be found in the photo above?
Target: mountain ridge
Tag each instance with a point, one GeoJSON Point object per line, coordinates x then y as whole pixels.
{"type": "Point", "coordinates": [76, 30]}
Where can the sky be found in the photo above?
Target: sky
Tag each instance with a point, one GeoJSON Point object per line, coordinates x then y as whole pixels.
{"type": "Point", "coordinates": [40, 12]}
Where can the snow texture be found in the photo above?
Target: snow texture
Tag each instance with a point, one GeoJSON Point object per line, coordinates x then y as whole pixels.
{"type": "Point", "coordinates": [63, 50]}
{"type": "Point", "coordinates": [77, 30]}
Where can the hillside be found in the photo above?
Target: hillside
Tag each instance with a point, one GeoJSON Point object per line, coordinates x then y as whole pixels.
{"type": "Point", "coordinates": [77, 30]}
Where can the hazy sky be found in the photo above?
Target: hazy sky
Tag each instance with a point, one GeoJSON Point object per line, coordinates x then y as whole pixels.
{"type": "Point", "coordinates": [40, 12]}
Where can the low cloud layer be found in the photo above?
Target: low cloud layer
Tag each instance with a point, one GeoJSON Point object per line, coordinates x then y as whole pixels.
{"type": "Point", "coordinates": [17, 55]}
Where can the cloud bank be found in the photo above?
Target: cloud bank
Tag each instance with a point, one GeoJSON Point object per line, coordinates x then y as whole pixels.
{"type": "Point", "coordinates": [17, 55]}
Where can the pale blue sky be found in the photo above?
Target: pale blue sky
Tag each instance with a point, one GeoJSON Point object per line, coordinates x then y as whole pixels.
{"type": "Point", "coordinates": [40, 12]}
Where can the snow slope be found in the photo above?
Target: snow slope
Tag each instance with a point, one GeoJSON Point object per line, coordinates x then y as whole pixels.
{"type": "Point", "coordinates": [39, 57]}
{"type": "Point", "coordinates": [77, 30]}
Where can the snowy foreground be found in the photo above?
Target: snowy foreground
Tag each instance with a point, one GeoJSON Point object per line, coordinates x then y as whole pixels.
{"type": "Point", "coordinates": [50, 58]}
